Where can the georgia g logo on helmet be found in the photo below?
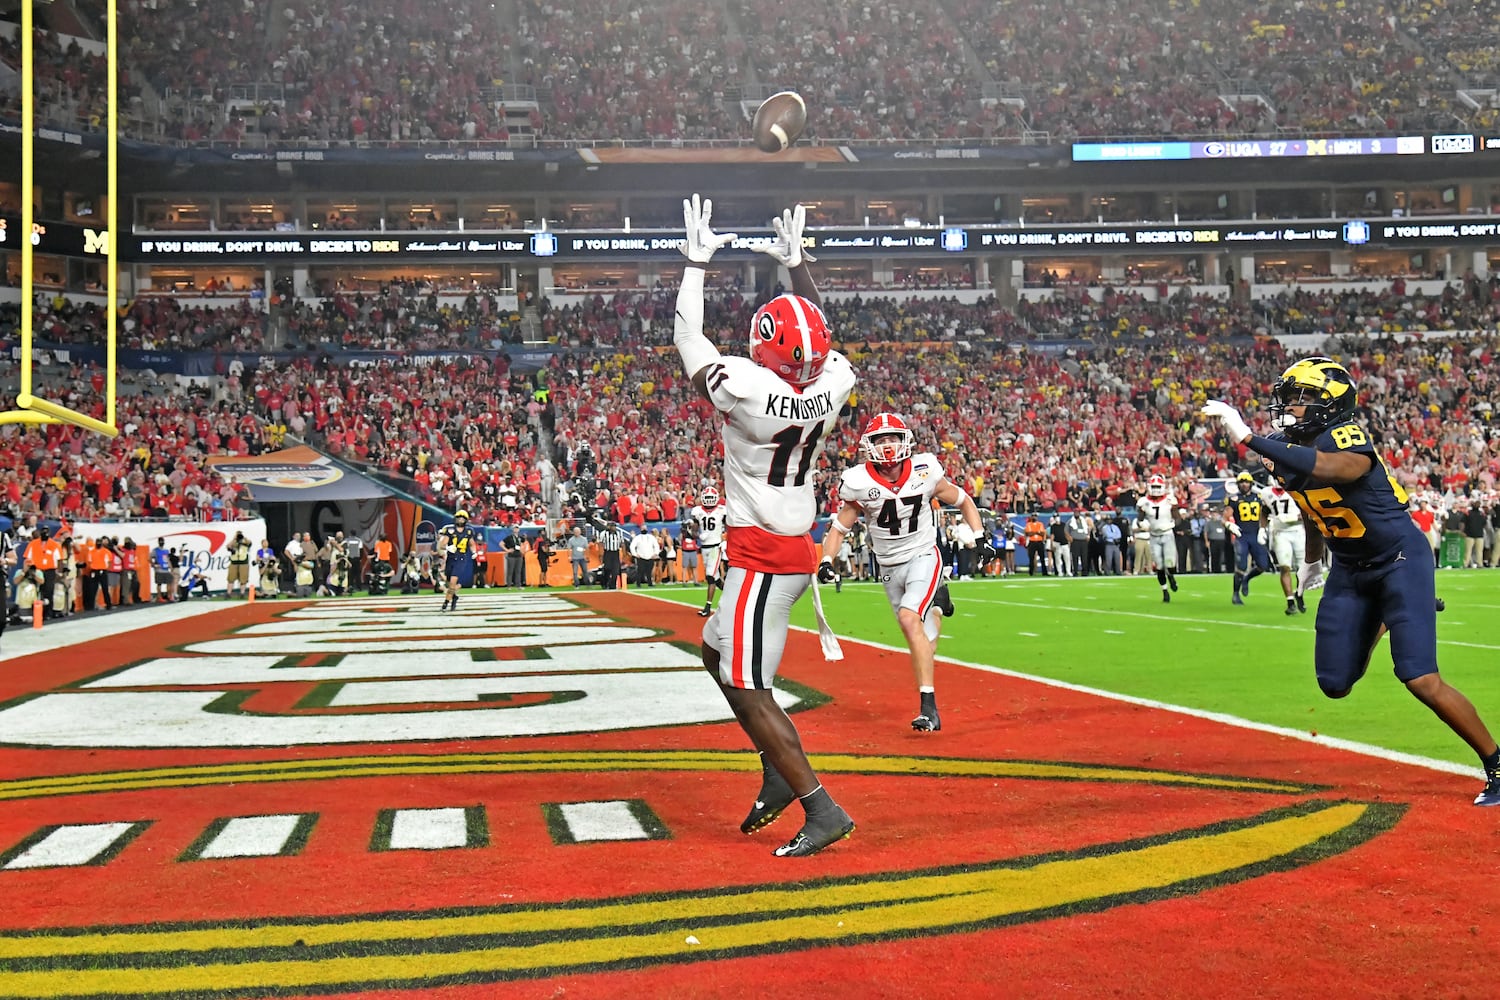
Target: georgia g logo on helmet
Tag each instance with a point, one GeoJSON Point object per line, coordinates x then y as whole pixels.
{"type": "Point", "coordinates": [1323, 387]}
{"type": "Point", "coordinates": [789, 335]}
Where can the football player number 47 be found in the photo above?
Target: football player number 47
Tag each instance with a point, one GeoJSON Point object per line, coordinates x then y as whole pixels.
{"type": "Point", "coordinates": [890, 515]}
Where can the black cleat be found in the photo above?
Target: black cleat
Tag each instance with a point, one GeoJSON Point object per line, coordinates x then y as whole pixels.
{"type": "Point", "coordinates": [1291, 609]}
{"type": "Point", "coordinates": [705, 611]}
{"type": "Point", "coordinates": [928, 721]}
{"type": "Point", "coordinates": [1301, 605]}
{"type": "Point", "coordinates": [1172, 581]}
{"type": "Point", "coordinates": [775, 796]}
{"type": "Point", "coordinates": [1166, 598]}
{"type": "Point", "coordinates": [1440, 604]}
{"type": "Point", "coordinates": [943, 602]}
{"type": "Point", "coordinates": [1491, 794]}
{"type": "Point", "coordinates": [812, 838]}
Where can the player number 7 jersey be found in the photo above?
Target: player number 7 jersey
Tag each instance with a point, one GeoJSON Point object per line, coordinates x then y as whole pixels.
{"type": "Point", "coordinates": [899, 512]}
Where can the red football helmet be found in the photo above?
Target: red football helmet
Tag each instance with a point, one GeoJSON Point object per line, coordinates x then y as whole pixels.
{"type": "Point", "coordinates": [1156, 486]}
{"type": "Point", "coordinates": [789, 335]}
{"type": "Point", "coordinates": [889, 452]}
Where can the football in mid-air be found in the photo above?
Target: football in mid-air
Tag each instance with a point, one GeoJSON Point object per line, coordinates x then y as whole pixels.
{"type": "Point", "coordinates": [779, 120]}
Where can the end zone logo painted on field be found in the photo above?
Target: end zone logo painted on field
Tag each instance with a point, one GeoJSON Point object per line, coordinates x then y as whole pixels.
{"type": "Point", "coordinates": [282, 717]}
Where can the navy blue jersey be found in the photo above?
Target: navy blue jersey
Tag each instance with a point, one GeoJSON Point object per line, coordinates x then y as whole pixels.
{"type": "Point", "coordinates": [1243, 509]}
{"type": "Point", "coordinates": [1362, 520]}
{"type": "Point", "coordinates": [457, 543]}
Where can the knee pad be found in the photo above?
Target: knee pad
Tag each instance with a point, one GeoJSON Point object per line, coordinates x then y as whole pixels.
{"type": "Point", "coordinates": [1334, 693]}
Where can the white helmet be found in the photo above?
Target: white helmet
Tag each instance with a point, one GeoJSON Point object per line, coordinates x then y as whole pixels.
{"type": "Point", "coordinates": [1156, 486]}
{"type": "Point", "coordinates": [709, 498]}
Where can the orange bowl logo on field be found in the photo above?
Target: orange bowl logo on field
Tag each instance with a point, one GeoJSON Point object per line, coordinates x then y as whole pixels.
{"type": "Point", "coordinates": [372, 795]}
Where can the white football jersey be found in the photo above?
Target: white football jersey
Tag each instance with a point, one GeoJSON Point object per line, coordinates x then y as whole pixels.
{"type": "Point", "coordinates": [710, 524]}
{"type": "Point", "coordinates": [900, 515]}
{"type": "Point", "coordinates": [1158, 511]}
{"type": "Point", "coordinates": [1281, 509]}
{"type": "Point", "coordinates": [773, 435]}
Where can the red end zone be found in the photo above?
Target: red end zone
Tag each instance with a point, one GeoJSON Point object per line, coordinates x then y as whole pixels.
{"type": "Point", "coordinates": [544, 794]}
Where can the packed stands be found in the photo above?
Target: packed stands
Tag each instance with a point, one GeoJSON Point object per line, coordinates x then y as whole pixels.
{"type": "Point", "coordinates": [622, 70]}
{"type": "Point", "coordinates": [1020, 423]}
{"type": "Point", "coordinates": [606, 70]}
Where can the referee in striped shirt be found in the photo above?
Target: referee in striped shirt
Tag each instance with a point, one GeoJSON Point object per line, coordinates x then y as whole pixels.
{"type": "Point", "coordinates": [611, 540]}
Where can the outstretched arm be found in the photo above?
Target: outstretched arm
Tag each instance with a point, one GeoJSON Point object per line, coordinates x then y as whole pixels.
{"type": "Point", "coordinates": [787, 249]}
{"type": "Point", "coordinates": [696, 350]}
{"type": "Point", "coordinates": [950, 492]}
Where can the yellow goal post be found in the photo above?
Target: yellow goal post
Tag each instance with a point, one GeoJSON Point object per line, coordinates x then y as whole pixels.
{"type": "Point", "coordinates": [30, 408]}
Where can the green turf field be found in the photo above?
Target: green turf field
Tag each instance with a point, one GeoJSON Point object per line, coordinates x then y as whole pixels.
{"type": "Point", "coordinates": [1200, 651]}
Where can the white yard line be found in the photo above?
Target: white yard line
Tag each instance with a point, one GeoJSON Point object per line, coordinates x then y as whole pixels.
{"type": "Point", "coordinates": [23, 640]}
{"type": "Point", "coordinates": [1174, 618]}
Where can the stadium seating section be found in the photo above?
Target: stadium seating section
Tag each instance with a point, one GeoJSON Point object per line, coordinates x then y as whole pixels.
{"type": "Point", "coordinates": [607, 70]}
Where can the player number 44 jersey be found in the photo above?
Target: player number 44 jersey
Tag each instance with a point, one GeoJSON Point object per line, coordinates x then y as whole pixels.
{"type": "Point", "coordinates": [899, 513]}
{"type": "Point", "coordinates": [773, 435]}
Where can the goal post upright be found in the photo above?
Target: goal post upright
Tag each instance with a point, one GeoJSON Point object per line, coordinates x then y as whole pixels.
{"type": "Point", "coordinates": [30, 408]}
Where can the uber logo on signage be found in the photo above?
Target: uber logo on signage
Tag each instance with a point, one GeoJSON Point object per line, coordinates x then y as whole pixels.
{"type": "Point", "coordinates": [543, 244]}
{"type": "Point", "coordinates": [955, 240]}
{"type": "Point", "coordinates": [1356, 232]}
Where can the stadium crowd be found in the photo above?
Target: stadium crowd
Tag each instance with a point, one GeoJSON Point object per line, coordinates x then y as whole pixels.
{"type": "Point", "coordinates": [378, 70]}
{"type": "Point", "coordinates": [406, 316]}
{"type": "Point", "coordinates": [1020, 419]}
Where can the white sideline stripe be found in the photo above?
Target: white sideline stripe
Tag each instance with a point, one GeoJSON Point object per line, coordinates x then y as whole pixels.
{"type": "Point", "coordinates": [23, 640]}
{"type": "Point", "coordinates": [1353, 746]}
{"type": "Point", "coordinates": [69, 846]}
{"type": "Point", "coordinates": [1211, 621]}
{"type": "Point", "coordinates": [252, 837]}
{"type": "Point", "coordinates": [590, 821]}
{"type": "Point", "coordinates": [428, 829]}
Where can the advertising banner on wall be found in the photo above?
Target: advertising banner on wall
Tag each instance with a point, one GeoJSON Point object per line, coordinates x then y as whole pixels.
{"type": "Point", "coordinates": [201, 544]}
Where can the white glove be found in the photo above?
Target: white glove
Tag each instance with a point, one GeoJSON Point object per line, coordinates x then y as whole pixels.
{"type": "Point", "coordinates": [1312, 575]}
{"type": "Point", "coordinates": [702, 241]}
{"type": "Point", "coordinates": [787, 246]}
{"type": "Point", "coordinates": [1234, 424]}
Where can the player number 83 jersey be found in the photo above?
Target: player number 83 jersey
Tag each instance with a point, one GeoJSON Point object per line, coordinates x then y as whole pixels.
{"type": "Point", "coordinates": [898, 512]}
